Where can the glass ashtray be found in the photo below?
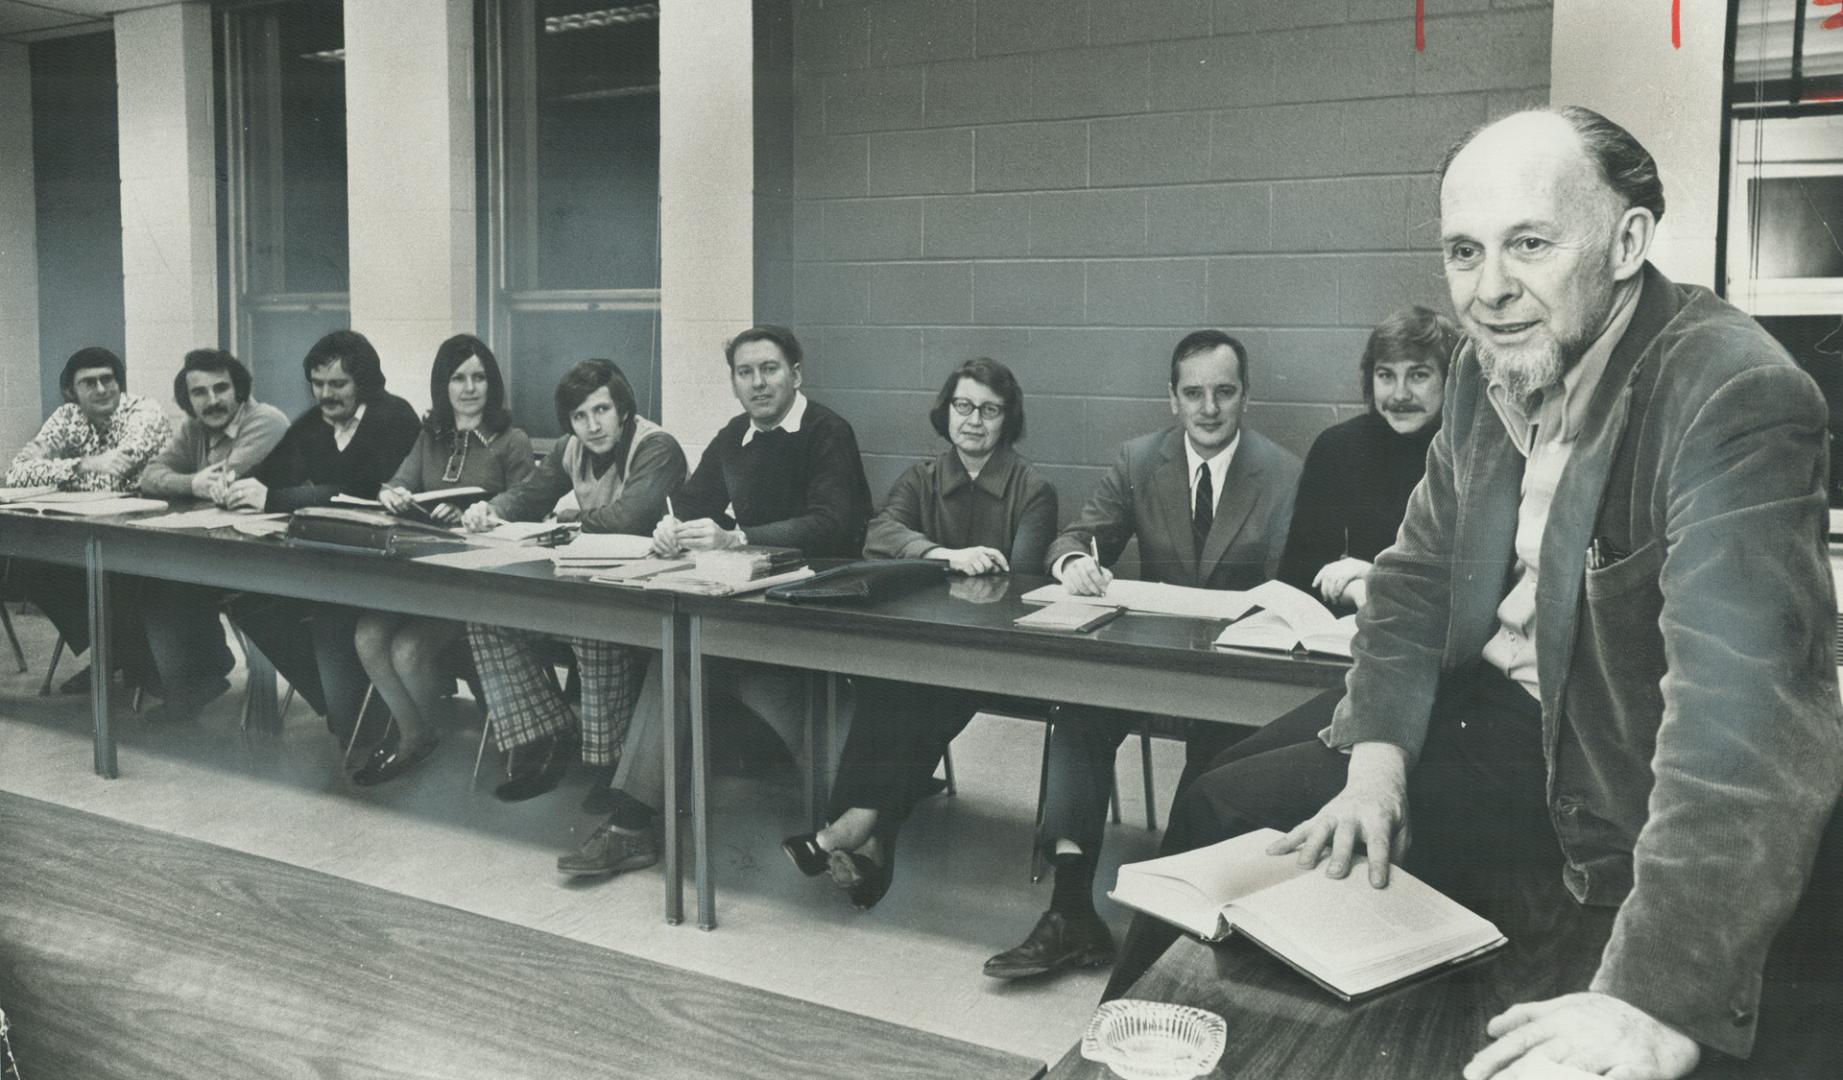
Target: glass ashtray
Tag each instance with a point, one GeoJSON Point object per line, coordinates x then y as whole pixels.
{"type": "Point", "coordinates": [1154, 1040]}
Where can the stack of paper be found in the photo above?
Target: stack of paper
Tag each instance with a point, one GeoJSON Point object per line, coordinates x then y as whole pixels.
{"type": "Point", "coordinates": [592, 553]}
{"type": "Point", "coordinates": [1154, 598]}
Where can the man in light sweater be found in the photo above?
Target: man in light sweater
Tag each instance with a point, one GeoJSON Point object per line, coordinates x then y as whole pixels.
{"type": "Point", "coordinates": [227, 434]}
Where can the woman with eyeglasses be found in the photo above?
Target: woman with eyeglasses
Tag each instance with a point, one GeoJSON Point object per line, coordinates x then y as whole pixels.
{"type": "Point", "coordinates": [981, 509]}
{"type": "Point", "coordinates": [467, 440]}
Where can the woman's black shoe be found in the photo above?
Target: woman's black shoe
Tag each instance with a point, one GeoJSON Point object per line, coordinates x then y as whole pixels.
{"type": "Point", "coordinates": [807, 856]}
{"type": "Point", "coordinates": [865, 880]}
{"type": "Point", "coordinates": [388, 762]}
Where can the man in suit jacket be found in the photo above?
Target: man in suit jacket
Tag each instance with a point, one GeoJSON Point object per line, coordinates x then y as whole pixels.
{"type": "Point", "coordinates": [1209, 502]}
{"type": "Point", "coordinates": [1601, 645]}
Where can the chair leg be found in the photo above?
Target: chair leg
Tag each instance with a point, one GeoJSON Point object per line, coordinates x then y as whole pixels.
{"type": "Point", "coordinates": [357, 725]}
{"type": "Point", "coordinates": [486, 732]}
{"type": "Point", "coordinates": [1036, 832]}
{"type": "Point", "coordinates": [134, 702]}
{"type": "Point", "coordinates": [1113, 800]}
{"type": "Point", "coordinates": [1145, 762]}
{"type": "Point", "coordinates": [287, 700]}
{"type": "Point", "coordinates": [19, 654]}
{"type": "Point", "coordinates": [51, 669]}
{"type": "Point", "coordinates": [947, 763]}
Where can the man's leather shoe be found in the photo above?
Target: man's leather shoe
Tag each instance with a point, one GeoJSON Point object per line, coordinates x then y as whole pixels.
{"type": "Point", "coordinates": [610, 851]}
{"type": "Point", "coordinates": [1056, 944]}
{"type": "Point", "coordinates": [538, 768]}
{"type": "Point", "coordinates": [392, 760]}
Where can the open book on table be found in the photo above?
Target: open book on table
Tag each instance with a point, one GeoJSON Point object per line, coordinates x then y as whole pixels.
{"type": "Point", "coordinates": [1289, 621]}
{"type": "Point", "coordinates": [1345, 935]}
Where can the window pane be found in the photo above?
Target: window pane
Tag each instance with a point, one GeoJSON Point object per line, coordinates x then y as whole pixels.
{"type": "Point", "coordinates": [294, 130]}
{"type": "Point", "coordinates": [582, 145]}
{"type": "Point", "coordinates": [278, 342]}
{"type": "Point", "coordinates": [548, 343]}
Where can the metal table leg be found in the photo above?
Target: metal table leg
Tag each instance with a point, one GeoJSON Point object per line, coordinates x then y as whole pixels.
{"type": "Point", "coordinates": [100, 661]}
{"type": "Point", "coordinates": [700, 780]}
{"type": "Point", "coordinates": [669, 716]}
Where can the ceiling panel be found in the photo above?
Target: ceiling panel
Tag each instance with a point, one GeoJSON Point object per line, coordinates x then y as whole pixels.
{"type": "Point", "coordinates": [23, 20]}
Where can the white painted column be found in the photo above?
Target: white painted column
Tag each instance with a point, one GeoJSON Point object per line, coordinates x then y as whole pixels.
{"type": "Point", "coordinates": [707, 208]}
{"type": "Point", "coordinates": [1617, 59]}
{"type": "Point", "coordinates": [19, 375]}
{"type": "Point", "coordinates": [410, 180]}
{"type": "Point", "coordinates": [169, 186]}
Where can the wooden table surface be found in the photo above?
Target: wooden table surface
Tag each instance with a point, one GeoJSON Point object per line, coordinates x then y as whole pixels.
{"type": "Point", "coordinates": [1282, 1027]}
{"type": "Point", "coordinates": [130, 953]}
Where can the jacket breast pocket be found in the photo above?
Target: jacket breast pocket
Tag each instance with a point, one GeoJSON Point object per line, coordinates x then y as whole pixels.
{"type": "Point", "coordinates": [1637, 569]}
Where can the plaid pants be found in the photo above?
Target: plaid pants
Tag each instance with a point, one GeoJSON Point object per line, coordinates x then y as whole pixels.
{"type": "Point", "coordinates": [525, 703]}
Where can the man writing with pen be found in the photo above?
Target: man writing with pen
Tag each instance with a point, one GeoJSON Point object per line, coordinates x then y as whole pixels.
{"type": "Point", "coordinates": [1209, 502]}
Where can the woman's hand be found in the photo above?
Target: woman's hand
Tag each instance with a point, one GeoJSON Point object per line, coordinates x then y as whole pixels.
{"type": "Point", "coordinates": [395, 499]}
{"type": "Point", "coordinates": [445, 514]}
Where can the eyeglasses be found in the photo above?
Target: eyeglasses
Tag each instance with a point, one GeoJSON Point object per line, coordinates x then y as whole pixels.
{"type": "Point", "coordinates": [990, 410]}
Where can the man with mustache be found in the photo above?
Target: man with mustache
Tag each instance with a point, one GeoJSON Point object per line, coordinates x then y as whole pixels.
{"type": "Point", "coordinates": [1599, 655]}
{"type": "Point", "coordinates": [1359, 473]}
{"type": "Point", "coordinates": [349, 443]}
{"type": "Point", "coordinates": [227, 434]}
{"type": "Point", "coordinates": [98, 440]}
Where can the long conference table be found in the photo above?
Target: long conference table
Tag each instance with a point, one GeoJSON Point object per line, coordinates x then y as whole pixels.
{"type": "Point", "coordinates": [958, 633]}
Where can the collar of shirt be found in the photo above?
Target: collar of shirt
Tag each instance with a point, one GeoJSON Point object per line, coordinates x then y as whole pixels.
{"type": "Point", "coordinates": [1561, 409]}
{"type": "Point", "coordinates": [342, 433]}
{"type": "Point", "coordinates": [992, 478]}
{"type": "Point", "coordinates": [1218, 466]}
{"type": "Point", "coordinates": [479, 435]}
{"type": "Point", "coordinates": [796, 414]}
{"type": "Point", "coordinates": [228, 433]}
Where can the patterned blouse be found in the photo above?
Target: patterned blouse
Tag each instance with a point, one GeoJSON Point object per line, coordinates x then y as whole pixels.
{"type": "Point", "coordinates": [139, 429]}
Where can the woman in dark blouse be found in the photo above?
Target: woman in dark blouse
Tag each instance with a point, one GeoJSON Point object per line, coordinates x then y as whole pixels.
{"type": "Point", "coordinates": [1358, 476]}
{"type": "Point", "coordinates": [467, 440]}
{"type": "Point", "coordinates": [981, 509]}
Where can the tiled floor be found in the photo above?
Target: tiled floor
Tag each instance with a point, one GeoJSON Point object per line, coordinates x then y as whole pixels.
{"type": "Point", "coordinates": [962, 889]}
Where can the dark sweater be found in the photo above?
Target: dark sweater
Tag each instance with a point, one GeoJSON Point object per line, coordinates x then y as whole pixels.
{"type": "Point", "coordinates": [1352, 494]}
{"type": "Point", "coordinates": [308, 468]}
{"type": "Point", "coordinates": [803, 489]}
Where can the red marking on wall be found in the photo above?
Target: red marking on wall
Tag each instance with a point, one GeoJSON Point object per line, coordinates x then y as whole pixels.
{"type": "Point", "coordinates": [1832, 95]}
{"type": "Point", "coordinates": [1676, 23]}
{"type": "Point", "coordinates": [1420, 25]}
{"type": "Point", "coordinates": [1835, 22]}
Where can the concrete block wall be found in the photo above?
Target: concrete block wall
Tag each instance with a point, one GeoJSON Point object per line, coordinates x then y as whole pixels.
{"type": "Point", "coordinates": [1071, 185]}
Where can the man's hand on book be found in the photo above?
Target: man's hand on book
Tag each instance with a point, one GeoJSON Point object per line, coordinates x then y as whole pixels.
{"type": "Point", "coordinates": [1594, 1032]}
{"type": "Point", "coordinates": [1372, 810]}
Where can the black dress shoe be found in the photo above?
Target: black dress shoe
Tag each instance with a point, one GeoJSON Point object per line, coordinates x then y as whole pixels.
{"type": "Point", "coordinates": [539, 768]}
{"type": "Point", "coordinates": [807, 856]}
{"type": "Point", "coordinates": [1056, 944]}
{"type": "Point", "coordinates": [390, 761]}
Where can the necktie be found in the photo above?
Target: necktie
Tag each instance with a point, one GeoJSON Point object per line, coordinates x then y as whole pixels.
{"type": "Point", "coordinates": [1205, 514]}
